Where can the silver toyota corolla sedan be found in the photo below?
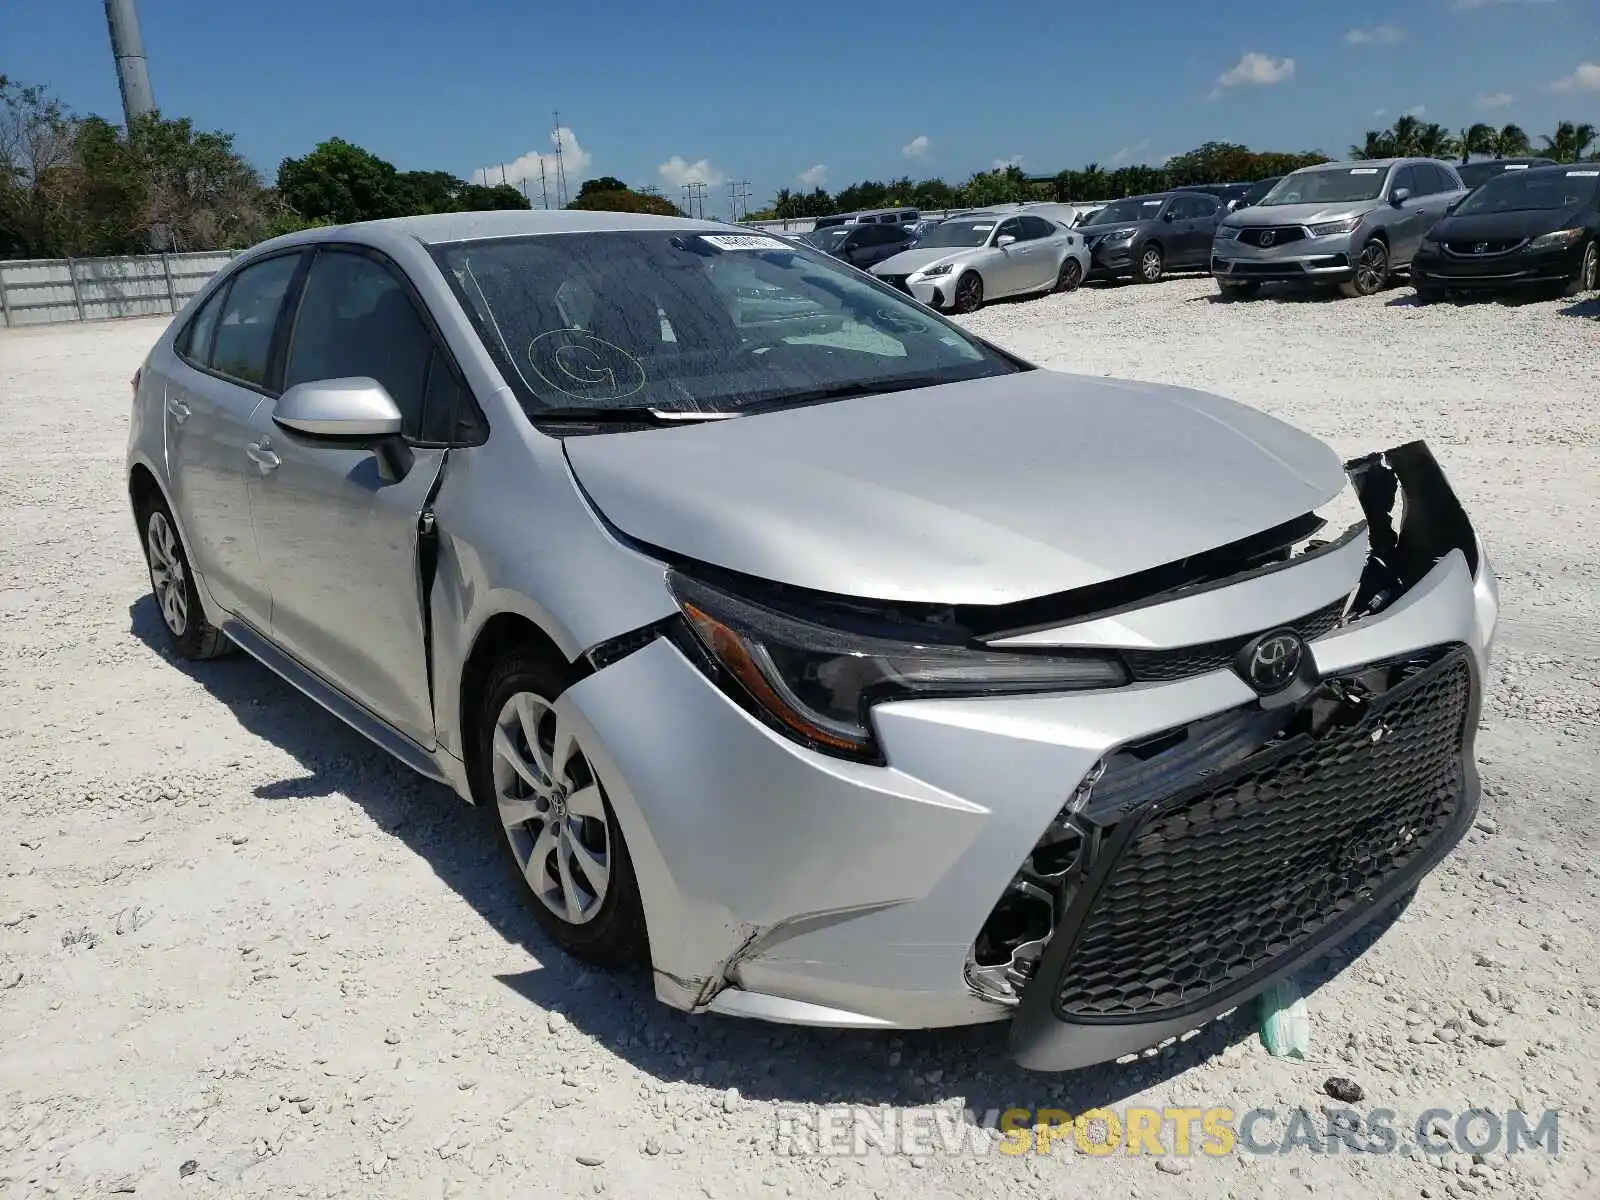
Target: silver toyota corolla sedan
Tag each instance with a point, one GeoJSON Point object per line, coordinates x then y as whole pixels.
{"type": "Point", "coordinates": [966, 260]}
{"type": "Point", "coordinates": [842, 667]}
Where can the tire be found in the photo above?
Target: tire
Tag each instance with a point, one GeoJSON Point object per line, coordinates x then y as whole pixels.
{"type": "Point", "coordinates": [1152, 265]}
{"type": "Point", "coordinates": [968, 294]}
{"type": "Point", "coordinates": [189, 634]}
{"type": "Point", "coordinates": [567, 833]}
{"type": "Point", "coordinates": [1070, 277]}
{"type": "Point", "coordinates": [1588, 277]}
{"type": "Point", "coordinates": [1371, 272]}
{"type": "Point", "coordinates": [1240, 291]}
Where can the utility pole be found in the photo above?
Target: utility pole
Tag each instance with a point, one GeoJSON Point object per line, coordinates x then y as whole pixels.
{"type": "Point", "coordinates": [695, 195]}
{"type": "Point", "coordinates": [561, 169]}
{"type": "Point", "coordinates": [544, 187]}
{"type": "Point", "coordinates": [133, 68]}
{"type": "Point", "coordinates": [739, 198]}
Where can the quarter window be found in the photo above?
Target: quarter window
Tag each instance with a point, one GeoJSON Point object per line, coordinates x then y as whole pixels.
{"type": "Point", "coordinates": [242, 340]}
{"type": "Point", "coordinates": [356, 319]}
{"type": "Point", "coordinates": [194, 343]}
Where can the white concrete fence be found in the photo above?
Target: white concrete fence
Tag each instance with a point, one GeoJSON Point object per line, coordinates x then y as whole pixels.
{"type": "Point", "coordinates": [43, 291]}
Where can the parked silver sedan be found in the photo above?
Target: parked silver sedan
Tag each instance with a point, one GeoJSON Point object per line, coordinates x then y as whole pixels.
{"type": "Point", "coordinates": [967, 260]}
{"type": "Point", "coordinates": [836, 664]}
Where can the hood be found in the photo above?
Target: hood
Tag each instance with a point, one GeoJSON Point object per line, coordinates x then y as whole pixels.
{"type": "Point", "coordinates": [1299, 214]}
{"type": "Point", "coordinates": [915, 259]}
{"type": "Point", "coordinates": [1504, 226]}
{"type": "Point", "coordinates": [983, 492]}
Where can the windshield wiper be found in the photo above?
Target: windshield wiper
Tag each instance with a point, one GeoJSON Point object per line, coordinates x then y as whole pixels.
{"type": "Point", "coordinates": [844, 391]}
{"type": "Point", "coordinates": [600, 414]}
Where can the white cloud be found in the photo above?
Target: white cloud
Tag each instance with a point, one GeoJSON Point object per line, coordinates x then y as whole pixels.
{"type": "Point", "coordinates": [918, 149]}
{"type": "Point", "coordinates": [1416, 110]}
{"type": "Point", "coordinates": [675, 172]}
{"type": "Point", "coordinates": [574, 161]}
{"type": "Point", "coordinates": [1378, 35]}
{"type": "Point", "coordinates": [1000, 164]}
{"type": "Point", "coordinates": [1378, 112]}
{"type": "Point", "coordinates": [1585, 79]}
{"type": "Point", "coordinates": [813, 177]}
{"type": "Point", "coordinates": [1126, 153]}
{"type": "Point", "coordinates": [1494, 100]}
{"type": "Point", "coordinates": [1254, 70]}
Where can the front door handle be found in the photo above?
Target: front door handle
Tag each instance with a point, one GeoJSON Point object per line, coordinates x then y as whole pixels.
{"type": "Point", "coordinates": [261, 454]}
{"type": "Point", "coordinates": [178, 409]}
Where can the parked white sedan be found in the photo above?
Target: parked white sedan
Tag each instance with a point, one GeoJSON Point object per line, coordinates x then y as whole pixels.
{"type": "Point", "coordinates": [966, 260]}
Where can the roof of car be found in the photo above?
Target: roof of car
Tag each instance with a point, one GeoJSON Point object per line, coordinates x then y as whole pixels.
{"type": "Point", "coordinates": [436, 228]}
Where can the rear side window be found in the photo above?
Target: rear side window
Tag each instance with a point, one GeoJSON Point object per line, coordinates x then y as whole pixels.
{"type": "Point", "coordinates": [356, 319]}
{"type": "Point", "coordinates": [1036, 227]}
{"type": "Point", "coordinates": [242, 343]}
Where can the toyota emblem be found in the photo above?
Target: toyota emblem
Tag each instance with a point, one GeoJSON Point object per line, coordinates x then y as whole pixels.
{"type": "Point", "coordinates": [1268, 236]}
{"type": "Point", "coordinates": [1270, 663]}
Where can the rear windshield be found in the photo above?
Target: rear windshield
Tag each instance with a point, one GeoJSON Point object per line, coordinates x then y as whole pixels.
{"type": "Point", "coordinates": [1519, 191]}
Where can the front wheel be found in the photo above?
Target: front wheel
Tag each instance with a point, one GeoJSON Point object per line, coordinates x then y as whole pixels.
{"type": "Point", "coordinates": [531, 769]}
{"type": "Point", "coordinates": [1151, 265]}
{"type": "Point", "coordinates": [1371, 273]}
{"type": "Point", "coordinates": [1069, 277]}
{"type": "Point", "coordinates": [969, 293]}
{"type": "Point", "coordinates": [172, 584]}
{"type": "Point", "coordinates": [1588, 277]}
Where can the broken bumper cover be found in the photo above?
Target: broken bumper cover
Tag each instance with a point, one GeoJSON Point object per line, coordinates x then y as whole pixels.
{"type": "Point", "coordinates": [788, 885]}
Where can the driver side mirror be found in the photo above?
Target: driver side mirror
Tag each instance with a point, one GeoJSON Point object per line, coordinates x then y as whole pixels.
{"type": "Point", "coordinates": [357, 413]}
{"type": "Point", "coordinates": [1004, 240]}
{"type": "Point", "coordinates": [1168, 215]}
{"type": "Point", "coordinates": [1399, 196]}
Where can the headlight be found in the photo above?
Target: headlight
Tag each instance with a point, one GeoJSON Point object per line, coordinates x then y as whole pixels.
{"type": "Point", "coordinates": [815, 683]}
{"type": "Point", "coordinates": [1348, 225]}
{"type": "Point", "coordinates": [1121, 235]}
{"type": "Point", "coordinates": [941, 269]}
{"type": "Point", "coordinates": [1227, 233]}
{"type": "Point", "coordinates": [1561, 237]}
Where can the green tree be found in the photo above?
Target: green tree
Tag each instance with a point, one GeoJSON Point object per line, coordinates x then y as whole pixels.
{"type": "Point", "coordinates": [605, 183]}
{"type": "Point", "coordinates": [1476, 139]}
{"type": "Point", "coordinates": [625, 199]}
{"type": "Point", "coordinates": [343, 183]}
{"type": "Point", "coordinates": [1570, 142]}
{"type": "Point", "coordinates": [1510, 141]}
{"type": "Point", "coordinates": [36, 145]}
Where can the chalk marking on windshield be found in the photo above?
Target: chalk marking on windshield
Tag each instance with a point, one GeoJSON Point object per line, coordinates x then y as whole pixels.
{"type": "Point", "coordinates": [605, 371]}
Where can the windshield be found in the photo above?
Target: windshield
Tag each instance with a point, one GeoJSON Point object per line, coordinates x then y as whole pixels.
{"type": "Point", "coordinates": [1518, 191]}
{"type": "Point", "coordinates": [1256, 191]}
{"type": "Point", "coordinates": [1340, 185]}
{"type": "Point", "coordinates": [958, 233]}
{"type": "Point", "coordinates": [825, 239]}
{"type": "Point", "coordinates": [1124, 211]}
{"type": "Point", "coordinates": [696, 322]}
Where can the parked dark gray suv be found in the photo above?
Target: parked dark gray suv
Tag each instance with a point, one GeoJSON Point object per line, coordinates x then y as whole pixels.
{"type": "Point", "coordinates": [1144, 237]}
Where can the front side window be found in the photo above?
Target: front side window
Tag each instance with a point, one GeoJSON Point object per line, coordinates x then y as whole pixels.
{"type": "Point", "coordinates": [696, 322]}
{"type": "Point", "coordinates": [1337, 185]}
{"type": "Point", "coordinates": [356, 319]}
{"type": "Point", "coordinates": [242, 342]}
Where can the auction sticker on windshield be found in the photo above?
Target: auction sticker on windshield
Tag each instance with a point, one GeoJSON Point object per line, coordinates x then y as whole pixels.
{"type": "Point", "coordinates": [1583, 174]}
{"type": "Point", "coordinates": [743, 241]}
{"type": "Point", "coordinates": [1363, 170]}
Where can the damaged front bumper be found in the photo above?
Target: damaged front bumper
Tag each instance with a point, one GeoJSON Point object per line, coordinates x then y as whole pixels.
{"type": "Point", "coordinates": [1107, 868]}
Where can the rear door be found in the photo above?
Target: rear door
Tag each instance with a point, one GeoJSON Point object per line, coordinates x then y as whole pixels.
{"type": "Point", "coordinates": [225, 356]}
{"type": "Point", "coordinates": [340, 542]}
{"type": "Point", "coordinates": [1044, 256]}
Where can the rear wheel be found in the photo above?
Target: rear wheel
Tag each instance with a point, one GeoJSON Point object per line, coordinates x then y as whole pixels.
{"type": "Point", "coordinates": [1070, 276]}
{"type": "Point", "coordinates": [1588, 277]}
{"type": "Point", "coordinates": [189, 634]}
{"type": "Point", "coordinates": [969, 293]}
{"type": "Point", "coordinates": [532, 772]}
{"type": "Point", "coordinates": [1371, 272]}
{"type": "Point", "coordinates": [1151, 265]}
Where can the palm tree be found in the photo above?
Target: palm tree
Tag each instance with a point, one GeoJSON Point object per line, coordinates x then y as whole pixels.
{"type": "Point", "coordinates": [1434, 141]}
{"type": "Point", "coordinates": [1476, 139]}
{"type": "Point", "coordinates": [1570, 141]}
{"type": "Point", "coordinates": [1405, 134]}
{"type": "Point", "coordinates": [1379, 143]}
{"type": "Point", "coordinates": [1510, 142]}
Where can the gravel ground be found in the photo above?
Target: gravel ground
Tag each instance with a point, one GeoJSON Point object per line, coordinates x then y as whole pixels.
{"type": "Point", "coordinates": [243, 953]}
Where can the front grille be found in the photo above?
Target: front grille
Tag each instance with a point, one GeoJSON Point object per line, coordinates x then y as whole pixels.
{"type": "Point", "coordinates": [1211, 887]}
{"type": "Point", "coordinates": [1164, 665]}
{"type": "Point", "coordinates": [898, 281]}
{"type": "Point", "coordinates": [1276, 236]}
{"type": "Point", "coordinates": [1484, 248]}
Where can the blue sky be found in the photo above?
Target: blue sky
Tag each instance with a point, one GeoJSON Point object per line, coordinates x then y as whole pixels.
{"type": "Point", "coordinates": [821, 92]}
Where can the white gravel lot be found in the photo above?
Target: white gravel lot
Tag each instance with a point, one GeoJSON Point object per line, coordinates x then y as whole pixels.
{"type": "Point", "coordinates": [242, 953]}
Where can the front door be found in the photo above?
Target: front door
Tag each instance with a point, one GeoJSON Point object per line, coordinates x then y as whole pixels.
{"type": "Point", "coordinates": [215, 389]}
{"type": "Point", "coordinates": [339, 540]}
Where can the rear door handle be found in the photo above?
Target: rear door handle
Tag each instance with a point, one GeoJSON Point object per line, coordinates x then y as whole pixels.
{"type": "Point", "coordinates": [178, 409]}
{"type": "Point", "coordinates": [261, 454]}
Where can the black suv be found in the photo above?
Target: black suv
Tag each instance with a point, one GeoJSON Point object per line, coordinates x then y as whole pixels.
{"type": "Point", "coordinates": [862, 245]}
